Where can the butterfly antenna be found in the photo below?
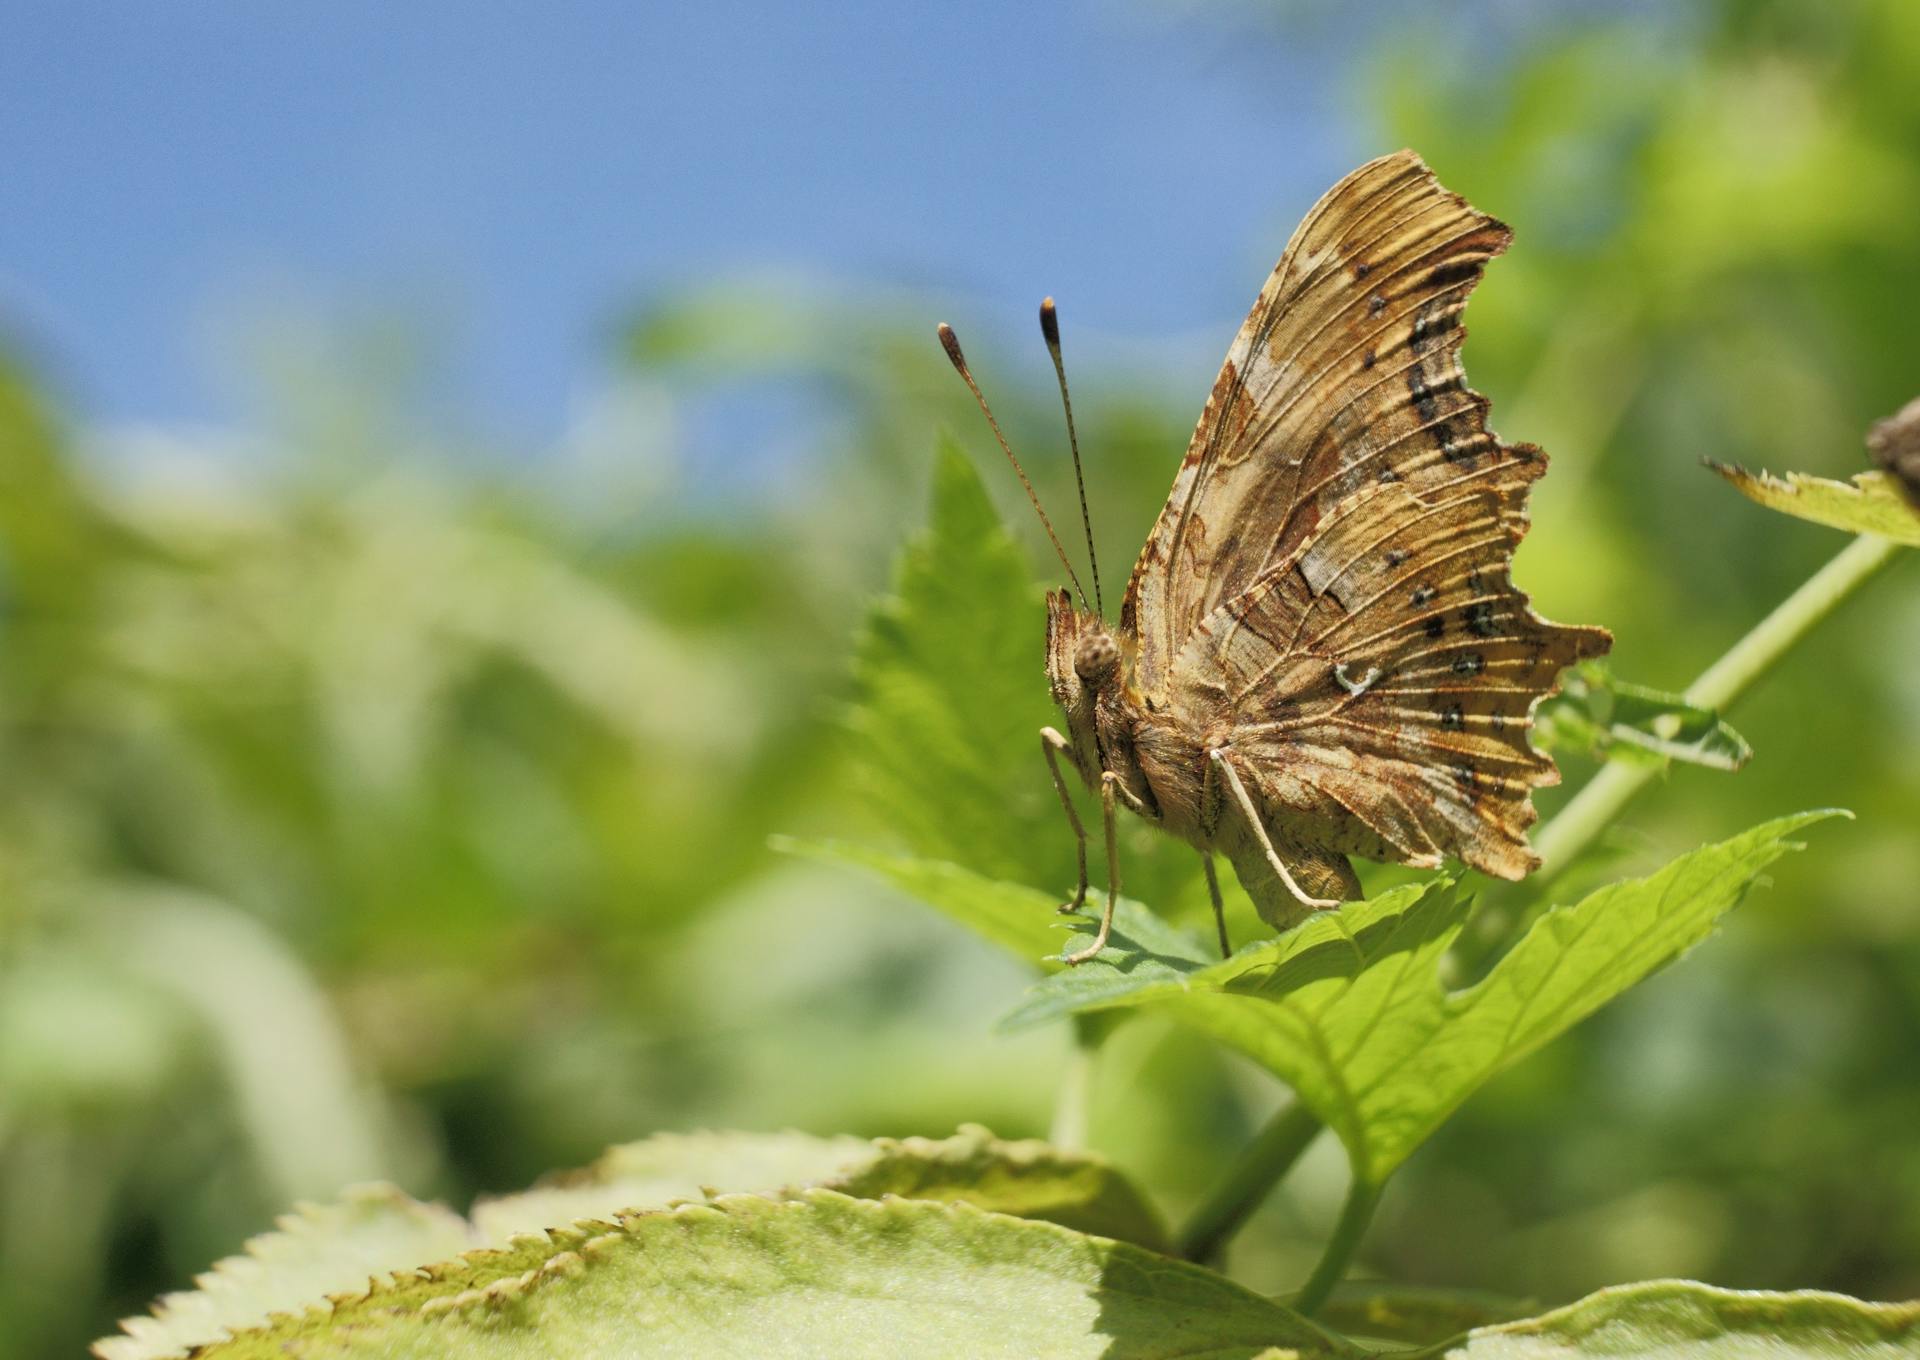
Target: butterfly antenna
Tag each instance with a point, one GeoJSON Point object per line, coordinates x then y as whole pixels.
{"type": "Point", "coordinates": [1050, 328]}
{"type": "Point", "coordinates": [951, 343]}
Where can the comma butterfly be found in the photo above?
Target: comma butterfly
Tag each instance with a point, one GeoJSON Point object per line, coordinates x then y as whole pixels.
{"type": "Point", "coordinates": [1320, 653]}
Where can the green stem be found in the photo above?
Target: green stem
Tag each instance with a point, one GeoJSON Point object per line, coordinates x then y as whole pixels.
{"type": "Point", "coordinates": [1594, 808]}
{"type": "Point", "coordinates": [1247, 1183]}
{"type": "Point", "coordinates": [1072, 1108]}
{"type": "Point", "coordinates": [1355, 1216]}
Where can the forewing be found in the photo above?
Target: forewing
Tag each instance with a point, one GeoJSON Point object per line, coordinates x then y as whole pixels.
{"type": "Point", "coordinates": [1379, 686]}
{"type": "Point", "coordinates": [1345, 378]}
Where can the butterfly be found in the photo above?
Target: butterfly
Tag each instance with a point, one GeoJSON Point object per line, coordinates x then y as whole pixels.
{"type": "Point", "coordinates": [1320, 652]}
{"type": "Point", "coordinates": [1895, 446]}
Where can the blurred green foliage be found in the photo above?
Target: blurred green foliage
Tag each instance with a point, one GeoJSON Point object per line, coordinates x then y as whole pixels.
{"type": "Point", "coordinates": [363, 817]}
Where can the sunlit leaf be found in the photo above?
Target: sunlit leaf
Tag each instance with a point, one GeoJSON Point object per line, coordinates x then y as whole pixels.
{"type": "Point", "coordinates": [1604, 716]}
{"type": "Point", "coordinates": [1870, 504]}
{"type": "Point", "coordinates": [1680, 1320]}
{"type": "Point", "coordinates": [326, 1250]}
{"type": "Point", "coordinates": [819, 1275]}
{"type": "Point", "coordinates": [1348, 1007]}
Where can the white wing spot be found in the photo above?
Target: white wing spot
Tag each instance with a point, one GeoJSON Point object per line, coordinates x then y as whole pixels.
{"type": "Point", "coordinates": [1355, 687]}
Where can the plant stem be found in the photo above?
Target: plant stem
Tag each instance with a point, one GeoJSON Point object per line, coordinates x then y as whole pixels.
{"type": "Point", "coordinates": [1072, 1108]}
{"type": "Point", "coordinates": [1355, 1215]}
{"type": "Point", "coordinates": [1594, 808]}
{"type": "Point", "coordinates": [1248, 1181]}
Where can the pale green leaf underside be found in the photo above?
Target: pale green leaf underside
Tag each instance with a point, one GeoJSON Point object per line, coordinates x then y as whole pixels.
{"type": "Point", "coordinates": [317, 1250]}
{"type": "Point", "coordinates": [1869, 504]}
{"type": "Point", "coordinates": [1026, 1178]}
{"type": "Point", "coordinates": [1679, 1320]}
{"type": "Point", "coordinates": [819, 1275]}
{"type": "Point", "coordinates": [1349, 1010]}
{"type": "Point", "coordinates": [378, 1231]}
{"type": "Point", "coordinates": [667, 1169]}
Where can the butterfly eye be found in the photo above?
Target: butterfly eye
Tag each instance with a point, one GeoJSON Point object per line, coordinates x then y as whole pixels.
{"type": "Point", "coordinates": [1097, 657]}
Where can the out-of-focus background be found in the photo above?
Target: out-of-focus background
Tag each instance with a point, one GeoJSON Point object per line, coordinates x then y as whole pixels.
{"type": "Point", "coordinates": [445, 456]}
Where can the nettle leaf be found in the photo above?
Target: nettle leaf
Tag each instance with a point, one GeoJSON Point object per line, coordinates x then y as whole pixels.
{"type": "Point", "coordinates": [1869, 504]}
{"type": "Point", "coordinates": [318, 1250]}
{"type": "Point", "coordinates": [1020, 919]}
{"type": "Point", "coordinates": [951, 695]}
{"type": "Point", "coordinates": [378, 1232]}
{"type": "Point", "coordinates": [1680, 1320]}
{"type": "Point", "coordinates": [818, 1275]}
{"type": "Point", "coordinates": [1605, 716]}
{"type": "Point", "coordinates": [1349, 1010]}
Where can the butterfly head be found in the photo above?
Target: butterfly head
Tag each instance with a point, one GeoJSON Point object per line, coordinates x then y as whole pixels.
{"type": "Point", "coordinates": [1083, 656]}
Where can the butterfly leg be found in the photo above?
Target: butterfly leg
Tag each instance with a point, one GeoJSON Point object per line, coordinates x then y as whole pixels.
{"type": "Point", "coordinates": [1108, 781]}
{"type": "Point", "coordinates": [1219, 906]}
{"type": "Point", "coordinates": [1050, 743]}
{"type": "Point", "coordinates": [1247, 810]}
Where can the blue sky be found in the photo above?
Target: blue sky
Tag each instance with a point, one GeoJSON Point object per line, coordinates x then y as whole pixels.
{"type": "Point", "coordinates": [520, 175]}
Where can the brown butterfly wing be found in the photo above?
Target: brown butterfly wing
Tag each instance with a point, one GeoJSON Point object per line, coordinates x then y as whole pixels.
{"type": "Point", "coordinates": [1380, 685]}
{"type": "Point", "coordinates": [1327, 589]}
{"type": "Point", "coordinates": [1345, 374]}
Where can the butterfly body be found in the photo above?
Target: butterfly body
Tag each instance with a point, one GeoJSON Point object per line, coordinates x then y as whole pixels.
{"type": "Point", "coordinates": [1163, 760]}
{"type": "Point", "coordinates": [1320, 652]}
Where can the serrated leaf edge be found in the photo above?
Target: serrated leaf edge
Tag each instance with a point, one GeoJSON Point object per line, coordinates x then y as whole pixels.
{"type": "Point", "coordinates": [566, 1252]}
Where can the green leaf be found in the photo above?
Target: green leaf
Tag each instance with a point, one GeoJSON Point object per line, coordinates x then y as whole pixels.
{"type": "Point", "coordinates": [322, 1251]}
{"type": "Point", "coordinates": [951, 695]}
{"type": "Point", "coordinates": [1870, 504]}
{"type": "Point", "coordinates": [820, 1275]}
{"type": "Point", "coordinates": [318, 1250]}
{"type": "Point", "coordinates": [1604, 716]}
{"type": "Point", "coordinates": [1026, 1178]}
{"type": "Point", "coordinates": [1020, 919]}
{"type": "Point", "coordinates": [951, 699]}
{"type": "Point", "coordinates": [1349, 1010]}
{"type": "Point", "coordinates": [1680, 1320]}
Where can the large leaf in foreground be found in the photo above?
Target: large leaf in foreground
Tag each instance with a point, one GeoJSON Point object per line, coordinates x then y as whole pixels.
{"type": "Point", "coordinates": [1679, 1320]}
{"type": "Point", "coordinates": [1869, 504]}
{"type": "Point", "coordinates": [377, 1232]}
{"type": "Point", "coordinates": [821, 1275]}
{"type": "Point", "coordinates": [1349, 1010]}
